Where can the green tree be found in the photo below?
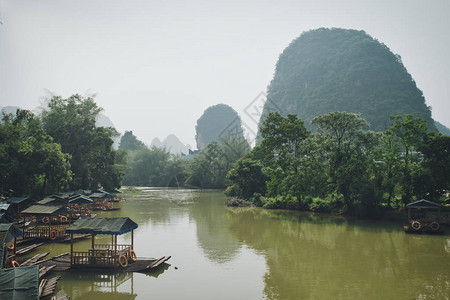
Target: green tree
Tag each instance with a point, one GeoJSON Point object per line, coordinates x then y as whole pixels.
{"type": "Point", "coordinates": [208, 169]}
{"type": "Point", "coordinates": [346, 147]}
{"type": "Point", "coordinates": [130, 142]}
{"type": "Point", "coordinates": [71, 123]}
{"type": "Point", "coordinates": [387, 155]}
{"type": "Point", "coordinates": [410, 133]}
{"type": "Point", "coordinates": [281, 150]}
{"type": "Point", "coordinates": [283, 138]}
{"type": "Point", "coordinates": [246, 178]}
{"type": "Point", "coordinates": [147, 167]}
{"type": "Point", "coordinates": [433, 178]}
{"type": "Point", "coordinates": [31, 163]}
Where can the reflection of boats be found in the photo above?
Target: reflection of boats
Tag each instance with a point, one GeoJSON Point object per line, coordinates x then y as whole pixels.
{"type": "Point", "coordinates": [423, 217]}
{"type": "Point", "coordinates": [110, 285]}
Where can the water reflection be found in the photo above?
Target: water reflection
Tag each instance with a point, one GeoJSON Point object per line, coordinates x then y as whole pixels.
{"type": "Point", "coordinates": [107, 285]}
{"type": "Point", "coordinates": [251, 253]}
{"type": "Point", "coordinates": [320, 257]}
{"type": "Point", "coordinates": [213, 234]}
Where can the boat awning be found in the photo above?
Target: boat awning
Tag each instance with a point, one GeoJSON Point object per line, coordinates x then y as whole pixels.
{"type": "Point", "coordinates": [51, 200]}
{"type": "Point", "coordinates": [115, 192]}
{"type": "Point", "coordinates": [8, 232]}
{"type": "Point", "coordinates": [6, 218]}
{"type": "Point", "coordinates": [19, 200]}
{"type": "Point", "coordinates": [6, 212]}
{"type": "Point", "coordinates": [6, 207]}
{"type": "Point", "coordinates": [80, 200]}
{"type": "Point", "coordinates": [45, 210]}
{"type": "Point", "coordinates": [100, 196]}
{"type": "Point", "coordinates": [423, 204]}
{"type": "Point", "coordinates": [115, 226]}
{"type": "Point", "coordinates": [19, 283]}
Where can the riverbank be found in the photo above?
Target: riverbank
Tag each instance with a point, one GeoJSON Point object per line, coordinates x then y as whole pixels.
{"type": "Point", "coordinates": [317, 205]}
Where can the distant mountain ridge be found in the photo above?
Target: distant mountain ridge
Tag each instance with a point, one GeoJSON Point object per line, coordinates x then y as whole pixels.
{"type": "Point", "coordinates": [442, 128]}
{"type": "Point", "coordinates": [172, 144]}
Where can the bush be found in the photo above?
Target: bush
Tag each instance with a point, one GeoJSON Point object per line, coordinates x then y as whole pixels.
{"type": "Point", "coordinates": [238, 203]}
{"type": "Point", "coordinates": [320, 205]}
{"type": "Point", "coordinates": [257, 199]}
{"type": "Point", "coordinates": [282, 202]}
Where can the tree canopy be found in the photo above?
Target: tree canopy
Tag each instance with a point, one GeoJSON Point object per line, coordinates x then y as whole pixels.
{"type": "Point", "coordinates": [130, 142]}
{"type": "Point", "coordinates": [31, 163]}
{"type": "Point", "coordinates": [342, 166]}
{"type": "Point", "coordinates": [71, 123]}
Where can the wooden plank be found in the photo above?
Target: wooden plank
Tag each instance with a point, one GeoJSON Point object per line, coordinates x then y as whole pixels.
{"type": "Point", "coordinates": [49, 286]}
{"type": "Point", "coordinates": [64, 297]}
{"type": "Point", "coordinates": [28, 248]}
{"type": "Point", "coordinates": [51, 258]}
{"type": "Point", "coordinates": [44, 270]}
{"type": "Point", "coordinates": [41, 286]}
{"type": "Point", "coordinates": [158, 262]}
{"type": "Point", "coordinates": [29, 262]}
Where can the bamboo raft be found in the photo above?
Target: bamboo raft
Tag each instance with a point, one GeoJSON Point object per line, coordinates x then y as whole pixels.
{"type": "Point", "coordinates": [62, 263]}
{"type": "Point", "coordinates": [48, 286]}
{"type": "Point", "coordinates": [27, 249]}
{"type": "Point", "coordinates": [34, 259]}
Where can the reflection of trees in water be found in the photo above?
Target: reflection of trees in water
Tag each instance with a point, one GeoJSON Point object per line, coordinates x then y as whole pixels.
{"type": "Point", "coordinates": [157, 205]}
{"type": "Point", "coordinates": [160, 205]}
{"type": "Point", "coordinates": [213, 233]}
{"type": "Point", "coordinates": [312, 257]}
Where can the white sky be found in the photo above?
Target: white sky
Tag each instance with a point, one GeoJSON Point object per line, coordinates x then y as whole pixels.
{"type": "Point", "coordinates": [155, 66]}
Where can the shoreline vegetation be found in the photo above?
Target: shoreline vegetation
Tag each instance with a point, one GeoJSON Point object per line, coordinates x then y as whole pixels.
{"type": "Point", "coordinates": [397, 215]}
{"type": "Point", "coordinates": [341, 168]}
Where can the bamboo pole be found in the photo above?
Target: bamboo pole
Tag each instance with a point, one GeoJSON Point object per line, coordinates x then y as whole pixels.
{"type": "Point", "coordinates": [71, 248]}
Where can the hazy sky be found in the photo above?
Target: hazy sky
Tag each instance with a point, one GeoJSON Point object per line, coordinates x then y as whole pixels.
{"type": "Point", "coordinates": [155, 66]}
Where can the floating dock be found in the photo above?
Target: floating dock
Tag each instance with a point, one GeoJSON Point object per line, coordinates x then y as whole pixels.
{"type": "Point", "coordinates": [62, 263]}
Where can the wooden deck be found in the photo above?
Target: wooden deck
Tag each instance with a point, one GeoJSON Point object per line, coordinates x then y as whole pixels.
{"type": "Point", "coordinates": [52, 232]}
{"type": "Point", "coordinates": [141, 265]}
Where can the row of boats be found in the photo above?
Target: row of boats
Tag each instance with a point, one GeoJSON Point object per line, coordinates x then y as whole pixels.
{"type": "Point", "coordinates": [64, 217]}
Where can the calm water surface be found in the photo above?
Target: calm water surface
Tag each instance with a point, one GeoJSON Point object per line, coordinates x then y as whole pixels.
{"type": "Point", "coordinates": [250, 253]}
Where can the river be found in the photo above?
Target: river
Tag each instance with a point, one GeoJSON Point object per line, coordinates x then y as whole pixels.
{"type": "Point", "coordinates": [251, 253]}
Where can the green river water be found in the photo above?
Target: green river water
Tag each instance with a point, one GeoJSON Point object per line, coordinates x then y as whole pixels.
{"type": "Point", "coordinates": [252, 253]}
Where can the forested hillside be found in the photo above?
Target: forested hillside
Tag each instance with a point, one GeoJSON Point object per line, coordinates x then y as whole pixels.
{"type": "Point", "coordinates": [218, 121]}
{"type": "Point", "coordinates": [328, 70]}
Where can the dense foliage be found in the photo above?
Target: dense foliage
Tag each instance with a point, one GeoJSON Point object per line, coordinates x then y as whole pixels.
{"type": "Point", "coordinates": [325, 70]}
{"type": "Point", "coordinates": [71, 123]}
{"type": "Point", "coordinates": [31, 163]}
{"type": "Point", "coordinates": [209, 168]}
{"type": "Point", "coordinates": [342, 166]}
{"type": "Point", "coordinates": [130, 142]}
{"type": "Point", "coordinates": [154, 167]}
{"type": "Point", "coordinates": [218, 121]}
